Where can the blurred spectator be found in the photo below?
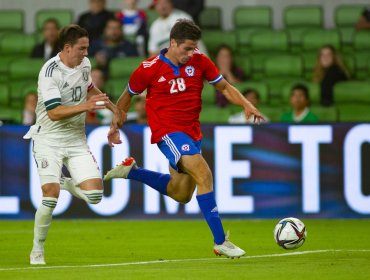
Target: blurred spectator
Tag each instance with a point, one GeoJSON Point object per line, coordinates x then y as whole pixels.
{"type": "Point", "coordinates": [112, 45]}
{"type": "Point", "coordinates": [49, 47]}
{"type": "Point", "coordinates": [192, 7]}
{"type": "Point", "coordinates": [363, 22]}
{"type": "Point", "coordinates": [300, 107]}
{"type": "Point", "coordinates": [231, 73]}
{"type": "Point", "coordinates": [160, 29]}
{"type": "Point", "coordinates": [240, 118]}
{"type": "Point", "coordinates": [139, 116]}
{"type": "Point", "coordinates": [134, 24]}
{"type": "Point", "coordinates": [328, 71]}
{"type": "Point", "coordinates": [103, 116]}
{"type": "Point", "coordinates": [29, 111]}
{"type": "Point", "coordinates": [95, 19]}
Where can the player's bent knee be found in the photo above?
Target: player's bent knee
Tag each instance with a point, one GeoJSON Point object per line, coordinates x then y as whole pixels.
{"type": "Point", "coordinates": [93, 196]}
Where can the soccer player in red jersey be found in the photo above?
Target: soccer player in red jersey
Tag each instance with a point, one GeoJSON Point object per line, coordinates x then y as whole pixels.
{"type": "Point", "coordinates": [174, 83]}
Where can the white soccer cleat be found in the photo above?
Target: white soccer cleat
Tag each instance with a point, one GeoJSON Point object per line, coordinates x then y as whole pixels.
{"type": "Point", "coordinates": [228, 249]}
{"type": "Point", "coordinates": [121, 170]}
{"type": "Point", "coordinates": [37, 258]}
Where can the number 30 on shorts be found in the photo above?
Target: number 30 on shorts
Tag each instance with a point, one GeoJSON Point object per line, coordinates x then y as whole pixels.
{"type": "Point", "coordinates": [177, 85]}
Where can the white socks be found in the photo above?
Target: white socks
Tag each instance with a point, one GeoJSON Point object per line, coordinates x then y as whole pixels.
{"type": "Point", "coordinates": [43, 218]}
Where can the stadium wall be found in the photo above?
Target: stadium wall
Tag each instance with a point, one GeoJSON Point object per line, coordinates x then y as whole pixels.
{"type": "Point", "coordinates": [267, 171]}
{"type": "Point", "coordinates": [31, 7]}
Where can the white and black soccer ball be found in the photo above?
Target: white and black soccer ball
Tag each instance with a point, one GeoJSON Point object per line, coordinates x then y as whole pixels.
{"type": "Point", "coordinates": [290, 233]}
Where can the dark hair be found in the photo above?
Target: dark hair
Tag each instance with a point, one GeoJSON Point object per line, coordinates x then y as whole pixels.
{"type": "Point", "coordinates": [302, 88]}
{"type": "Point", "coordinates": [51, 20]}
{"type": "Point", "coordinates": [185, 29]}
{"type": "Point", "coordinates": [249, 91]}
{"type": "Point", "coordinates": [70, 34]}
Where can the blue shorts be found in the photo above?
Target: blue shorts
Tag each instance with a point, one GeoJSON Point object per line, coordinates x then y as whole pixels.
{"type": "Point", "coordinates": [176, 144]}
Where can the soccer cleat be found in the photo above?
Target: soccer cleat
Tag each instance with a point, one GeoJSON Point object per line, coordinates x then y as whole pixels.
{"type": "Point", "coordinates": [37, 258]}
{"type": "Point", "coordinates": [228, 249]}
{"type": "Point", "coordinates": [121, 170]}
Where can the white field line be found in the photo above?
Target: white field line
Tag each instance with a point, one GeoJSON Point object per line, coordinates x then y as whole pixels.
{"type": "Point", "coordinates": [177, 260]}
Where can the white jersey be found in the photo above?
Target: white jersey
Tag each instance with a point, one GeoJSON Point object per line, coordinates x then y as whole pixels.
{"type": "Point", "coordinates": [160, 29]}
{"type": "Point", "coordinates": [61, 85]}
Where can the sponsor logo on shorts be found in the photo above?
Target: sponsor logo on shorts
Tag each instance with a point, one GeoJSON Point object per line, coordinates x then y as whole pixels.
{"type": "Point", "coordinates": [44, 163]}
{"type": "Point", "coordinates": [189, 70]}
{"type": "Point", "coordinates": [185, 147]}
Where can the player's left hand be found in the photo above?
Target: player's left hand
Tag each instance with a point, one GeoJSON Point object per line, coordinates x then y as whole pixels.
{"type": "Point", "coordinates": [114, 137]}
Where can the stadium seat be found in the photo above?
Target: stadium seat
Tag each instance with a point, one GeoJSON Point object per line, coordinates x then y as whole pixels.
{"type": "Point", "coordinates": [283, 66]}
{"type": "Point", "coordinates": [279, 70]}
{"type": "Point", "coordinates": [214, 114]}
{"type": "Point", "coordinates": [272, 113]}
{"type": "Point", "coordinates": [17, 44]}
{"type": "Point", "coordinates": [346, 17]}
{"type": "Point", "coordinates": [4, 95]}
{"type": "Point", "coordinates": [122, 68]}
{"type": "Point", "coordinates": [115, 87]}
{"type": "Point", "coordinates": [243, 38]}
{"type": "Point", "coordinates": [352, 92]}
{"type": "Point", "coordinates": [260, 87]}
{"type": "Point", "coordinates": [25, 68]}
{"type": "Point", "coordinates": [63, 16]}
{"type": "Point", "coordinates": [4, 67]}
{"type": "Point", "coordinates": [325, 114]}
{"type": "Point", "coordinates": [300, 19]}
{"type": "Point", "coordinates": [313, 89]}
{"type": "Point", "coordinates": [213, 39]}
{"type": "Point", "coordinates": [252, 17]}
{"type": "Point", "coordinates": [315, 39]}
{"type": "Point", "coordinates": [17, 91]}
{"type": "Point", "coordinates": [11, 20]}
{"type": "Point", "coordinates": [211, 18]}
{"type": "Point", "coordinates": [361, 46]}
{"type": "Point", "coordinates": [354, 113]}
{"type": "Point", "coordinates": [9, 115]}
{"type": "Point", "coordinates": [303, 16]}
{"type": "Point", "coordinates": [244, 63]}
{"type": "Point", "coordinates": [265, 44]}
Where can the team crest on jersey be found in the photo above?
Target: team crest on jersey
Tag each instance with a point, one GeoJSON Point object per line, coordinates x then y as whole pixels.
{"type": "Point", "coordinates": [189, 70]}
{"type": "Point", "coordinates": [44, 163]}
{"type": "Point", "coordinates": [85, 75]}
{"type": "Point", "coordinates": [185, 147]}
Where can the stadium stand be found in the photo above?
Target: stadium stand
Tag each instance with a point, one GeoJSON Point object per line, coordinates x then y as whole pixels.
{"type": "Point", "coordinates": [211, 18]}
{"type": "Point", "coordinates": [300, 19]}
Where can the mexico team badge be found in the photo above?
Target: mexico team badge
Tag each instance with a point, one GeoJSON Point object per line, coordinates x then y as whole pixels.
{"type": "Point", "coordinates": [189, 70]}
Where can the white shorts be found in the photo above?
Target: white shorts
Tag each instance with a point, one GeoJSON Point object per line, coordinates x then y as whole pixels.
{"type": "Point", "coordinates": [78, 159]}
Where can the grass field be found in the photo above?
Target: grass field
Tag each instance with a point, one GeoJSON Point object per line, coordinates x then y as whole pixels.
{"type": "Point", "coordinates": [116, 249]}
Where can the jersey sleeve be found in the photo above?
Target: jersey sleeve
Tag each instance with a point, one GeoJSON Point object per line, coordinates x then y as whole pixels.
{"type": "Point", "coordinates": [139, 80]}
{"type": "Point", "coordinates": [49, 90]}
{"type": "Point", "coordinates": [211, 73]}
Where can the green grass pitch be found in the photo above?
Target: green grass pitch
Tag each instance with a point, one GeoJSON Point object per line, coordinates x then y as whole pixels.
{"type": "Point", "coordinates": [119, 249]}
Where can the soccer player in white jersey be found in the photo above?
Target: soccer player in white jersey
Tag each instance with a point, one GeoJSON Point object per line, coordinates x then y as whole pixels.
{"type": "Point", "coordinates": [58, 136]}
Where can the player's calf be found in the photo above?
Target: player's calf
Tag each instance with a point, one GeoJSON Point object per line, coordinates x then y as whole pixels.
{"type": "Point", "coordinates": [93, 196]}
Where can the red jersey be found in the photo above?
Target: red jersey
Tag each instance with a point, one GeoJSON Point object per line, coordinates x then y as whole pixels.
{"type": "Point", "coordinates": [173, 100]}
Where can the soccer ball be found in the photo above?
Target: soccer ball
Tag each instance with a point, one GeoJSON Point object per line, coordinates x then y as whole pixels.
{"type": "Point", "coordinates": [290, 233]}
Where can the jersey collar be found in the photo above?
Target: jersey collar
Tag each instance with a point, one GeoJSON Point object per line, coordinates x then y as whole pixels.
{"type": "Point", "coordinates": [176, 69]}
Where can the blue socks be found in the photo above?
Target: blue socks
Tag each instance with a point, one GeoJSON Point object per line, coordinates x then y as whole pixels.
{"type": "Point", "coordinates": [156, 180]}
{"type": "Point", "coordinates": [207, 204]}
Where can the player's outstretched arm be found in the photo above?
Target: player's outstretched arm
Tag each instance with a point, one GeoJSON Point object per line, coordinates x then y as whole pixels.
{"type": "Point", "coordinates": [234, 96]}
{"type": "Point", "coordinates": [62, 112]}
{"type": "Point", "coordinates": [123, 105]}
